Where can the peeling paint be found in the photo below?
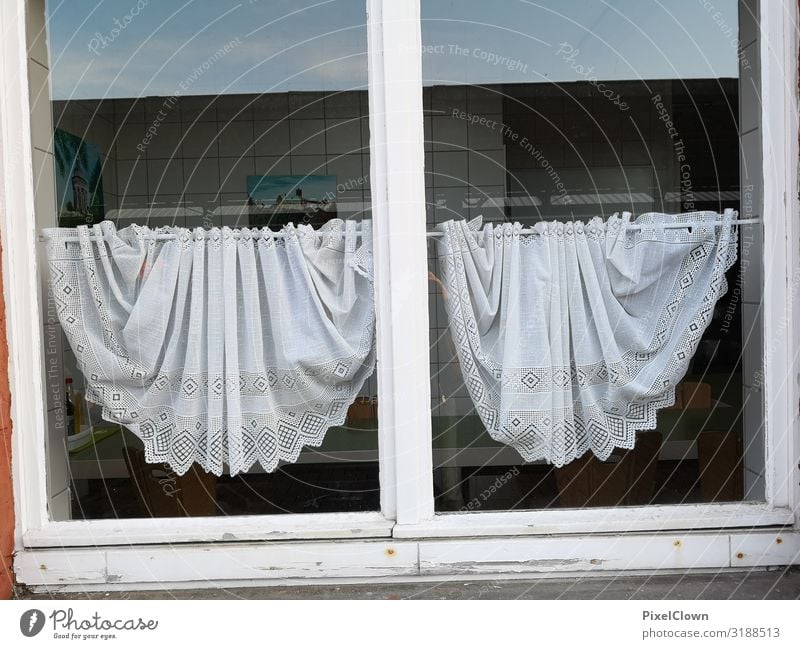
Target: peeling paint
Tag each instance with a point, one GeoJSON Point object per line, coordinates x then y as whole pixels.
{"type": "Point", "coordinates": [461, 566]}
{"type": "Point", "coordinates": [114, 579]}
{"type": "Point", "coordinates": [227, 536]}
{"type": "Point", "coordinates": [71, 580]}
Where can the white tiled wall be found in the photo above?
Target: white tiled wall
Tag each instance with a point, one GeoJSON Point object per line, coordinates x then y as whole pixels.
{"type": "Point", "coordinates": [465, 164]}
{"type": "Point", "coordinates": [193, 170]}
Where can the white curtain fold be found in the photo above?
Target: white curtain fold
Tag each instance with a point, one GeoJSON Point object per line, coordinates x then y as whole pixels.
{"type": "Point", "coordinates": [570, 339]}
{"type": "Point", "coordinates": [222, 347]}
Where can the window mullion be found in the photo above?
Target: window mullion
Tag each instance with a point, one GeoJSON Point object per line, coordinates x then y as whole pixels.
{"type": "Point", "coordinates": [398, 199]}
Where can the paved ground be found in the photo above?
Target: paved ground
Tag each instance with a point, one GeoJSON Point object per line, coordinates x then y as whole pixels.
{"type": "Point", "coordinates": [778, 584]}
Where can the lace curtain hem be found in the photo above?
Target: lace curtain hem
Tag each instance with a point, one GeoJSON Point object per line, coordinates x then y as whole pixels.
{"type": "Point", "coordinates": [138, 346]}
{"type": "Point", "coordinates": [560, 435]}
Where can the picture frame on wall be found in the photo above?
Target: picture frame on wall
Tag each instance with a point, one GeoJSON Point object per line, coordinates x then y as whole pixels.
{"type": "Point", "coordinates": [79, 180]}
{"type": "Point", "coordinates": [280, 199]}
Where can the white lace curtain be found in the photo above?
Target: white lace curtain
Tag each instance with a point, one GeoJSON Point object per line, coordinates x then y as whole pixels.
{"type": "Point", "coordinates": [571, 338]}
{"type": "Point", "coordinates": [222, 347]}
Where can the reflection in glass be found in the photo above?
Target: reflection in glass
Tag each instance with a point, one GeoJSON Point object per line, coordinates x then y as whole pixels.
{"type": "Point", "coordinates": [569, 110]}
{"type": "Point", "coordinates": [205, 114]}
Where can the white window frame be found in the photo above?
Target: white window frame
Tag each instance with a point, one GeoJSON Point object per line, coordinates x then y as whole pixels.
{"type": "Point", "coordinates": [778, 54]}
{"type": "Point", "coordinates": [34, 527]}
{"type": "Point", "coordinates": [407, 510]}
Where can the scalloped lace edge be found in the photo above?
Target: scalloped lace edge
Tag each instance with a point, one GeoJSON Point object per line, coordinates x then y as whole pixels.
{"type": "Point", "coordinates": [154, 457]}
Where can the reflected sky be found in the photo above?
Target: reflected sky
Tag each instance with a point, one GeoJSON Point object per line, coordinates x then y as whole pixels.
{"type": "Point", "coordinates": [516, 41]}
{"type": "Point", "coordinates": [131, 48]}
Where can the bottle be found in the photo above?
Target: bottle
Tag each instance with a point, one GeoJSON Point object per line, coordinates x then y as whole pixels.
{"type": "Point", "coordinates": [70, 408]}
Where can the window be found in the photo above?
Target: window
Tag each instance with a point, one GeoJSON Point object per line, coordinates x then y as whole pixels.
{"type": "Point", "coordinates": [199, 116]}
{"type": "Point", "coordinates": [414, 138]}
{"type": "Point", "coordinates": [564, 111]}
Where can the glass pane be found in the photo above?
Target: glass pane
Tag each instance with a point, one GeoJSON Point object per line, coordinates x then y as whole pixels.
{"type": "Point", "coordinates": [206, 114]}
{"type": "Point", "coordinates": [567, 110]}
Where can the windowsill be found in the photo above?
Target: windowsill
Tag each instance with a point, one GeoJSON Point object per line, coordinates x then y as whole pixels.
{"type": "Point", "coordinates": [599, 520]}
{"type": "Point", "coordinates": [277, 527]}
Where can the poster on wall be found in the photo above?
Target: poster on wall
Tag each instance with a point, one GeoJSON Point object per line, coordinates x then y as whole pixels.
{"type": "Point", "coordinates": [79, 180]}
{"type": "Point", "coordinates": [277, 200]}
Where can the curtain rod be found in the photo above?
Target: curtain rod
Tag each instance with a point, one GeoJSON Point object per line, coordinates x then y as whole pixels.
{"type": "Point", "coordinates": [666, 226]}
{"type": "Point", "coordinates": [235, 235]}
{"type": "Point", "coordinates": [256, 234]}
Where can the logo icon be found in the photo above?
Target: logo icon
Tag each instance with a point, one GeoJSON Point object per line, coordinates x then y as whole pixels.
{"type": "Point", "coordinates": [31, 622]}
